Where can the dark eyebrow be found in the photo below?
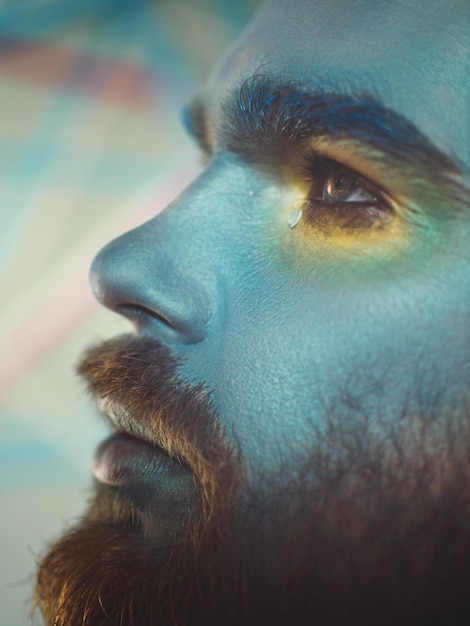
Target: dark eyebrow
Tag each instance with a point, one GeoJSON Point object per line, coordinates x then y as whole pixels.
{"type": "Point", "coordinates": [265, 116]}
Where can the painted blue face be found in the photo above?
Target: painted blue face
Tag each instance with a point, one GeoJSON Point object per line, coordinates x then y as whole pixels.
{"type": "Point", "coordinates": [320, 264]}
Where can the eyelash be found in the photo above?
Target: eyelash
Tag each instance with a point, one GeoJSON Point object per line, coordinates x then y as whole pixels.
{"type": "Point", "coordinates": [371, 211]}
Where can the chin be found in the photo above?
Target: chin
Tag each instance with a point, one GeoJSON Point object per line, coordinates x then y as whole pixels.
{"type": "Point", "coordinates": [366, 529]}
{"type": "Point", "coordinates": [355, 546]}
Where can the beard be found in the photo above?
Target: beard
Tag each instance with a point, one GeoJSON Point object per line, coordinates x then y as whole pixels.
{"type": "Point", "coordinates": [367, 528]}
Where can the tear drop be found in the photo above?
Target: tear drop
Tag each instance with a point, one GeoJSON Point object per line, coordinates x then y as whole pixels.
{"type": "Point", "coordinates": [294, 218]}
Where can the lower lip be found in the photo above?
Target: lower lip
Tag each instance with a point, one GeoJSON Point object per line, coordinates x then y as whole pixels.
{"type": "Point", "coordinates": [123, 460]}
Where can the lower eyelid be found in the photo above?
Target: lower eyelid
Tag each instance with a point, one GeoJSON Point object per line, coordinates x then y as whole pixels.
{"type": "Point", "coordinates": [380, 206]}
{"type": "Point", "coordinates": [353, 215]}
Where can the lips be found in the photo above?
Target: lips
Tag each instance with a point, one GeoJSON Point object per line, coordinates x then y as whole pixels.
{"type": "Point", "coordinates": [123, 460]}
{"type": "Point", "coordinates": [120, 418]}
{"type": "Point", "coordinates": [139, 483]}
{"type": "Point", "coordinates": [127, 458]}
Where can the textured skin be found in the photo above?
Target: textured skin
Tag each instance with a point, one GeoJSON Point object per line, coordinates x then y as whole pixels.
{"type": "Point", "coordinates": [279, 324]}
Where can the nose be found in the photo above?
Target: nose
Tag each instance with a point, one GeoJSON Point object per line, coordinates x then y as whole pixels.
{"type": "Point", "coordinates": [153, 276]}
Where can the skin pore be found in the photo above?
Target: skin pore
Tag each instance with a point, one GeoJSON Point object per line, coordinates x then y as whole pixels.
{"type": "Point", "coordinates": [299, 370]}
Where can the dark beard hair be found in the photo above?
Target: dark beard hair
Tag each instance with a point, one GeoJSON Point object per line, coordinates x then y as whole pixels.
{"type": "Point", "coordinates": [367, 529]}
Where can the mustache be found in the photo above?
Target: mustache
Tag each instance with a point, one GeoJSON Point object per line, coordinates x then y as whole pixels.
{"type": "Point", "coordinates": [136, 379]}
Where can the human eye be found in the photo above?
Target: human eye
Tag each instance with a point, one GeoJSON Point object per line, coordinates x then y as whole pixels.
{"type": "Point", "coordinates": [340, 198]}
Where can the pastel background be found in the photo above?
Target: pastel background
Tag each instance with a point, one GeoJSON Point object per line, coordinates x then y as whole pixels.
{"type": "Point", "coordinates": [90, 145]}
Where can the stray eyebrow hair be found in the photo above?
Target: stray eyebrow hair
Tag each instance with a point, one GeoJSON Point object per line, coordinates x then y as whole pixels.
{"type": "Point", "coordinates": [265, 116]}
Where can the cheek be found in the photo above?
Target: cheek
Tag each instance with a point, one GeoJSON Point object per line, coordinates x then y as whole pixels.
{"type": "Point", "coordinates": [286, 362]}
{"type": "Point", "coordinates": [303, 331]}
{"type": "Point", "coordinates": [266, 394]}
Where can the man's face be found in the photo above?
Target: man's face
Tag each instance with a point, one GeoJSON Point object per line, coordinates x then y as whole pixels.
{"type": "Point", "coordinates": [313, 282]}
{"type": "Point", "coordinates": [361, 307]}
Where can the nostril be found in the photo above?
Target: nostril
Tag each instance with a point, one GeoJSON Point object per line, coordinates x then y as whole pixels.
{"type": "Point", "coordinates": [141, 315]}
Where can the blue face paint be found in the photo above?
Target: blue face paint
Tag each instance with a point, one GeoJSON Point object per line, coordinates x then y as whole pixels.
{"type": "Point", "coordinates": [281, 330]}
{"type": "Point", "coordinates": [302, 345]}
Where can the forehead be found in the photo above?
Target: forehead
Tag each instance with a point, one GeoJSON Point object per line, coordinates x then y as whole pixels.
{"type": "Point", "coordinates": [412, 56]}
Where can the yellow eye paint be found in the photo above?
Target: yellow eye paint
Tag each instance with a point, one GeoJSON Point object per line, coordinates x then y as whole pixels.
{"type": "Point", "coordinates": [369, 226]}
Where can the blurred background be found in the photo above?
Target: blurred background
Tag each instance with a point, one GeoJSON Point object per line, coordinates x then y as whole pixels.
{"type": "Point", "coordinates": [91, 144]}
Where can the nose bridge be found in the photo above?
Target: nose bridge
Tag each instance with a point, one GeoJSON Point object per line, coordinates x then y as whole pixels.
{"type": "Point", "coordinates": [162, 274]}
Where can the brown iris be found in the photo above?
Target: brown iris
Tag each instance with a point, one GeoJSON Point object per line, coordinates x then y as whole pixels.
{"type": "Point", "coordinates": [339, 198]}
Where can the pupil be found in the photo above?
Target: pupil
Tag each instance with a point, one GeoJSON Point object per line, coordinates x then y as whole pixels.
{"type": "Point", "coordinates": [340, 187]}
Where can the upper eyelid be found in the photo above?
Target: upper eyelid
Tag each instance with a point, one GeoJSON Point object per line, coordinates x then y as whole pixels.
{"type": "Point", "coordinates": [315, 165]}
